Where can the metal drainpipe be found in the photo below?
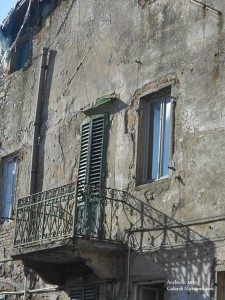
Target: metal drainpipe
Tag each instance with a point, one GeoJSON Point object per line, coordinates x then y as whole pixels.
{"type": "Point", "coordinates": [26, 272]}
{"type": "Point", "coordinates": [37, 122]}
{"type": "Point", "coordinates": [128, 268]}
{"type": "Point", "coordinates": [25, 288]}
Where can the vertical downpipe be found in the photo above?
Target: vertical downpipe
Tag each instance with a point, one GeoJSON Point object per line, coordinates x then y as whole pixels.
{"type": "Point", "coordinates": [26, 272]}
{"type": "Point", "coordinates": [128, 268]}
{"type": "Point", "coordinates": [25, 288]}
{"type": "Point", "coordinates": [37, 122]}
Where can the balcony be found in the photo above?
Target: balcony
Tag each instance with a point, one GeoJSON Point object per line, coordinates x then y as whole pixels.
{"type": "Point", "coordinates": [61, 214]}
{"type": "Point", "coordinates": [61, 227]}
{"type": "Point", "coordinates": [86, 230]}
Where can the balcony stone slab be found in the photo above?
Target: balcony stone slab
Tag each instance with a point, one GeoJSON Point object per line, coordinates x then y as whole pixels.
{"type": "Point", "coordinates": [86, 256]}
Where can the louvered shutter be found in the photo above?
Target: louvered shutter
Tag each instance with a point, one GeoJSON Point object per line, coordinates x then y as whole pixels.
{"type": "Point", "coordinates": [76, 294]}
{"type": "Point", "coordinates": [84, 293]}
{"type": "Point", "coordinates": [92, 156]}
{"type": "Point", "coordinates": [97, 148]}
{"type": "Point", "coordinates": [91, 171]}
{"type": "Point", "coordinates": [82, 174]}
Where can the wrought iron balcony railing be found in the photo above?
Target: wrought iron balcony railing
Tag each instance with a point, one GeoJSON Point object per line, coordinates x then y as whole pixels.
{"type": "Point", "coordinates": [94, 212]}
{"type": "Point", "coordinates": [45, 216]}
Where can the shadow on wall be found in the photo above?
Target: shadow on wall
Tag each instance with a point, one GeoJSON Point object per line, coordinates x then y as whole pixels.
{"type": "Point", "coordinates": [172, 251]}
{"type": "Point", "coordinates": [186, 271]}
{"type": "Point", "coordinates": [161, 247]}
{"type": "Point", "coordinates": [44, 118]}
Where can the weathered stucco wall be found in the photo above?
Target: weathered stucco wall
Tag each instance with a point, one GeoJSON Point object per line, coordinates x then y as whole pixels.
{"type": "Point", "coordinates": [130, 49]}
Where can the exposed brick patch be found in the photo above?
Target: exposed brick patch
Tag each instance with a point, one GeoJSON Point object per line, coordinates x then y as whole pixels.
{"type": "Point", "coordinates": [144, 2]}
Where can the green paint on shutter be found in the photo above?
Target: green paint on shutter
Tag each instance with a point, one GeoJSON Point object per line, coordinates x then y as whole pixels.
{"type": "Point", "coordinates": [92, 155]}
{"type": "Point", "coordinates": [82, 174]}
{"type": "Point", "coordinates": [91, 171]}
{"type": "Point", "coordinates": [97, 151]}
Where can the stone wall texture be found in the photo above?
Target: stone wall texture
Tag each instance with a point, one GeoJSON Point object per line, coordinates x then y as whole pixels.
{"type": "Point", "coordinates": [126, 50]}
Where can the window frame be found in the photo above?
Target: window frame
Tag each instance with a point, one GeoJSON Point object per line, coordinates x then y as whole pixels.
{"type": "Point", "coordinates": [220, 285]}
{"type": "Point", "coordinates": [16, 53]}
{"type": "Point", "coordinates": [144, 149]}
{"type": "Point", "coordinates": [4, 164]}
{"type": "Point", "coordinates": [152, 286]}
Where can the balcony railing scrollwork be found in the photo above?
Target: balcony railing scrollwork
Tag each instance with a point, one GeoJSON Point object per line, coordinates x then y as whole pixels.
{"type": "Point", "coordinates": [97, 213]}
{"type": "Point", "coordinates": [45, 216]}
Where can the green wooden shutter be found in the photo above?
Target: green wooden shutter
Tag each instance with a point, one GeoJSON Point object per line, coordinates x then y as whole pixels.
{"type": "Point", "coordinates": [89, 212]}
{"type": "Point", "coordinates": [83, 165]}
{"type": "Point", "coordinates": [97, 151]}
{"type": "Point", "coordinates": [92, 155]}
{"type": "Point", "coordinates": [84, 293]}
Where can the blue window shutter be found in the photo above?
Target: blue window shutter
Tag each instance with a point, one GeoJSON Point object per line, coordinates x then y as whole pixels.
{"type": "Point", "coordinates": [9, 174]}
{"type": "Point", "coordinates": [22, 52]}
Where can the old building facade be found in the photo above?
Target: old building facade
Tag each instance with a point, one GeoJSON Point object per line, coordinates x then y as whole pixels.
{"type": "Point", "coordinates": [112, 122]}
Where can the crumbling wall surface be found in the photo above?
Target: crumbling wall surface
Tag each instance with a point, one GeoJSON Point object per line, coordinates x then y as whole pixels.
{"type": "Point", "coordinates": [133, 50]}
{"type": "Point", "coordinates": [11, 273]}
{"type": "Point", "coordinates": [129, 49]}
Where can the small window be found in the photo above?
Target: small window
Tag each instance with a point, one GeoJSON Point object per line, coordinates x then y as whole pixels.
{"type": "Point", "coordinates": [154, 137]}
{"type": "Point", "coordinates": [150, 291]}
{"type": "Point", "coordinates": [20, 54]}
{"type": "Point", "coordinates": [8, 166]}
{"type": "Point", "coordinates": [85, 293]}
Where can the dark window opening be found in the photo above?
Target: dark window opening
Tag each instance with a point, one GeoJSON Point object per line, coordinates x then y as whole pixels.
{"type": "Point", "coordinates": [220, 286]}
{"type": "Point", "coordinates": [150, 291]}
{"type": "Point", "coordinates": [22, 55]}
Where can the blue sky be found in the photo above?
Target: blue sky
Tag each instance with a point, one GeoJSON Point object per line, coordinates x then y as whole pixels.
{"type": "Point", "coordinates": [5, 6]}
